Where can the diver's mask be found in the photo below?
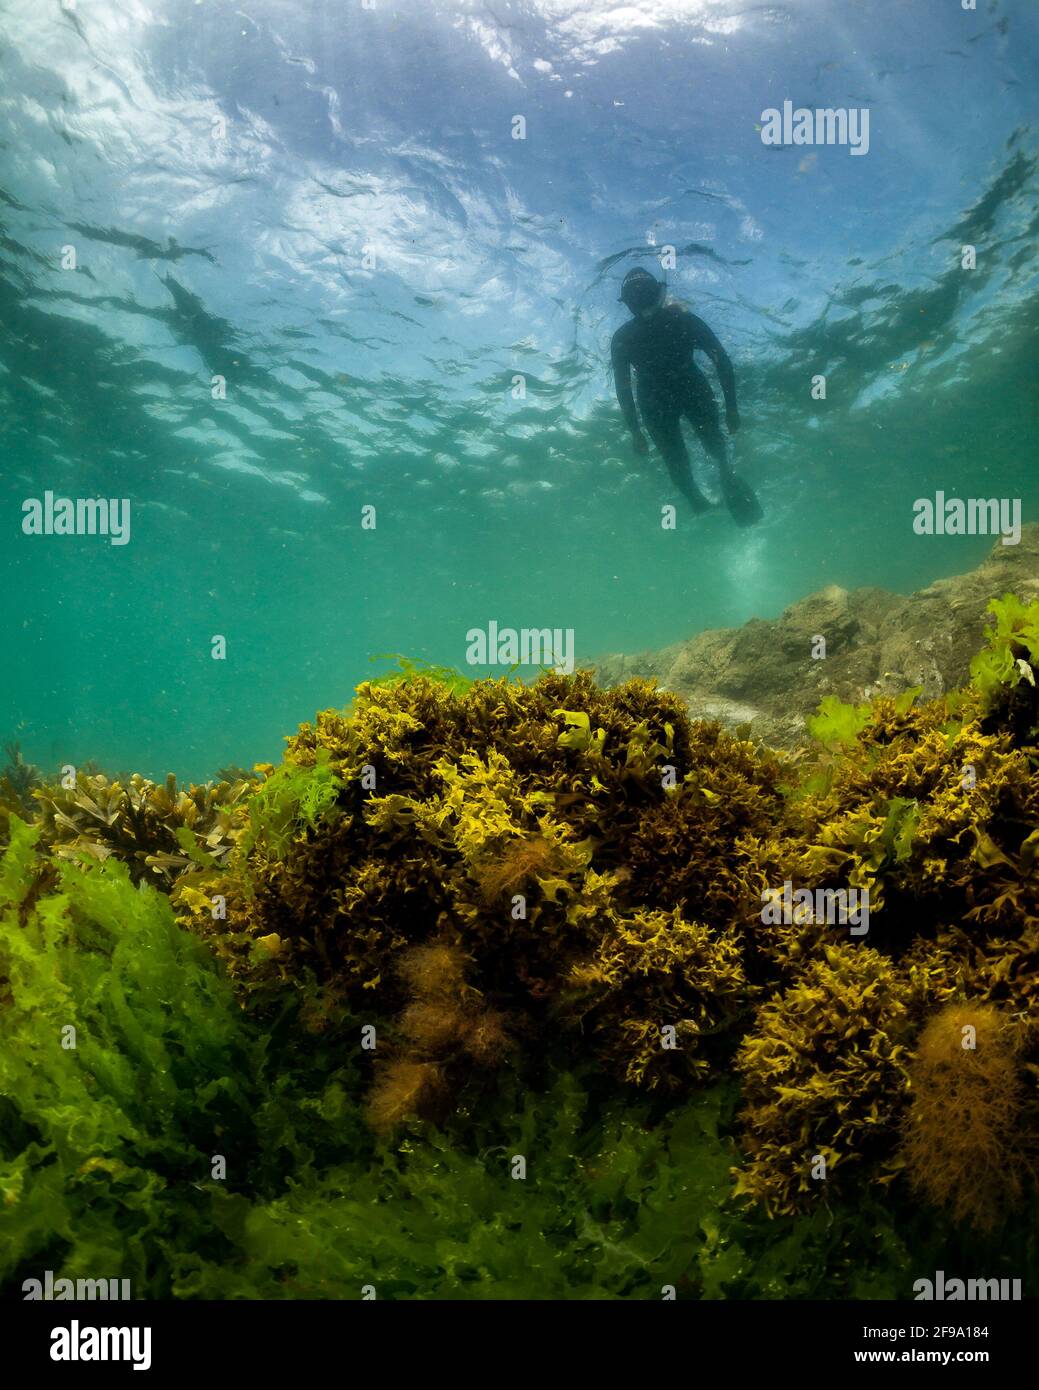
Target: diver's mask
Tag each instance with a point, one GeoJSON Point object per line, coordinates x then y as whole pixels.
{"type": "Point", "coordinates": [641, 292]}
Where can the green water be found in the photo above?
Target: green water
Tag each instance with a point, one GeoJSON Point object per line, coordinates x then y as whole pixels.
{"type": "Point", "coordinates": [390, 385]}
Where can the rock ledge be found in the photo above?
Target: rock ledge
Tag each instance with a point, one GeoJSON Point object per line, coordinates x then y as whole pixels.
{"type": "Point", "coordinates": [763, 673]}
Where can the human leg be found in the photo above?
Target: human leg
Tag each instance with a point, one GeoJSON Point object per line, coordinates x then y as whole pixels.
{"type": "Point", "coordinates": [666, 433]}
{"type": "Point", "coordinates": [701, 409]}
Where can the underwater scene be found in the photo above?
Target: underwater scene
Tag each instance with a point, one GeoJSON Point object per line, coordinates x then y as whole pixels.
{"type": "Point", "coordinates": [520, 605]}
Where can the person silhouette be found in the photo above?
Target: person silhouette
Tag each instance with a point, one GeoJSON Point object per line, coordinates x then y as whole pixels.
{"type": "Point", "coordinates": [658, 343]}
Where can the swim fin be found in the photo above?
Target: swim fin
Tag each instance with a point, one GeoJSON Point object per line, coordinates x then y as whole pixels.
{"type": "Point", "coordinates": [740, 498]}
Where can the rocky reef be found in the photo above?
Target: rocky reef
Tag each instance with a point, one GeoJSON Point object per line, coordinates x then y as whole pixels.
{"type": "Point", "coordinates": [761, 678]}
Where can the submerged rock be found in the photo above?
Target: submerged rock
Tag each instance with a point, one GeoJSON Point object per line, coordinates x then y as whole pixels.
{"type": "Point", "coordinates": [877, 643]}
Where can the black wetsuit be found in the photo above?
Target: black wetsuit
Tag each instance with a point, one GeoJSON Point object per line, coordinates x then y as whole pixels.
{"type": "Point", "coordinates": [670, 385]}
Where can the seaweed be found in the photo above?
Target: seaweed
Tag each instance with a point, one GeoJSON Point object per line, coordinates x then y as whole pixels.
{"type": "Point", "coordinates": [526, 857]}
{"type": "Point", "coordinates": [119, 1048]}
{"type": "Point", "coordinates": [543, 904]}
{"type": "Point", "coordinates": [967, 1145]}
{"type": "Point", "coordinates": [588, 867]}
{"type": "Point", "coordinates": [1004, 671]}
{"type": "Point", "coordinates": [233, 773]}
{"type": "Point", "coordinates": [824, 1075]}
{"type": "Point", "coordinates": [836, 724]}
{"type": "Point", "coordinates": [408, 668]}
{"type": "Point", "coordinates": [18, 782]}
{"type": "Point", "coordinates": [158, 831]}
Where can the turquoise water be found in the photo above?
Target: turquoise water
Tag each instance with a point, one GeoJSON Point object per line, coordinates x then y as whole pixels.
{"type": "Point", "coordinates": [324, 205]}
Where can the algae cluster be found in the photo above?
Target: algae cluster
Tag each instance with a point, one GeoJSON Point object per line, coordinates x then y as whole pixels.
{"type": "Point", "coordinates": [474, 995]}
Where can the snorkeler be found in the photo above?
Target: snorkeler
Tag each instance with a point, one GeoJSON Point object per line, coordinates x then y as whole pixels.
{"type": "Point", "coordinates": [659, 343]}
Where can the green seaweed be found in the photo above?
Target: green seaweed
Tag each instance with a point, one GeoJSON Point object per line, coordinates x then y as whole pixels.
{"type": "Point", "coordinates": [409, 668]}
{"type": "Point", "coordinates": [288, 803]}
{"type": "Point", "coordinates": [119, 1048]}
{"type": "Point", "coordinates": [18, 782]}
{"type": "Point", "coordinates": [836, 724]}
{"type": "Point", "coordinates": [1004, 671]}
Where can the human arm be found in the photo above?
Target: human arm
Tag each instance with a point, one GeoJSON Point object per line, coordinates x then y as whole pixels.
{"type": "Point", "coordinates": [622, 384]}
